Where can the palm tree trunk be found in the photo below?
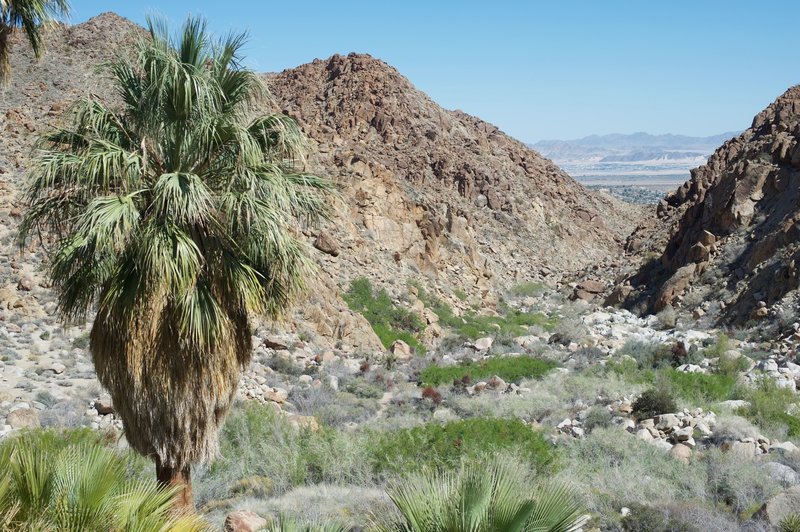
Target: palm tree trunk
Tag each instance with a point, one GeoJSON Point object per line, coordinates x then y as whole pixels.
{"type": "Point", "coordinates": [173, 476]}
{"type": "Point", "coordinates": [5, 62]}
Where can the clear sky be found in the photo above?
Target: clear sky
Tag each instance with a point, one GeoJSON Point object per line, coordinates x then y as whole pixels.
{"type": "Point", "coordinates": [538, 70]}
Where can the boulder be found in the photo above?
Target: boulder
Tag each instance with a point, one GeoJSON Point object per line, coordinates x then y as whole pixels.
{"type": "Point", "coordinates": [400, 349]}
{"type": "Point", "coordinates": [781, 506]}
{"type": "Point", "coordinates": [681, 452]}
{"type": "Point", "coordinates": [666, 421]}
{"type": "Point", "coordinates": [327, 244]}
{"type": "Point", "coordinates": [23, 418]}
{"type": "Point", "coordinates": [496, 383]}
{"type": "Point", "coordinates": [782, 473]}
{"type": "Point", "coordinates": [483, 344]}
{"type": "Point", "coordinates": [244, 521]}
{"type": "Point", "coordinates": [591, 286]}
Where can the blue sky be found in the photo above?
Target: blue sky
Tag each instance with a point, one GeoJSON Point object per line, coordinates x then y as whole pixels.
{"type": "Point", "coordinates": [557, 69]}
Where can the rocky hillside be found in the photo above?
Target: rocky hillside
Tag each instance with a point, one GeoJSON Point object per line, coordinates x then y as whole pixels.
{"type": "Point", "coordinates": [428, 193]}
{"type": "Point", "coordinates": [732, 236]}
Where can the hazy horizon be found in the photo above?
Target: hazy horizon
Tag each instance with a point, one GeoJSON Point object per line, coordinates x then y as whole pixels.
{"type": "Point", "coordinates": [538, 71]}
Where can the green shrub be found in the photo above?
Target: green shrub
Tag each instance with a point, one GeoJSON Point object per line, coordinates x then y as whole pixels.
{"type": "Point", "coordinates": [51, 483]}
{"type": "Point", "coordinates": [768, 406]}
{"type": "Point", "coordinates": [499, 495]}
{"type": "Point", "coordinates": [653, 402]}
{"type": "Point", "coordinates": [472, 325]}
{"type": "Point", "coordinates": [389, 322]}
{"type": "Point", "coordinates": [790, 523]}
{"type": "Point", "coordinates": [364, 390]}
{"type": "Point", "coordinates": [644, 518]}
{"type": "Point", "coordinates": [700, 388]}
{"type": "Point", "coordinates": [528, 289]}
{"type": "Point", "coordinates": [648, 355]}
{"type": "Point", "coordinates": [435, 445]}
{"type": "Point", "coordinates": [597, 417]}
{"type": "Point", "coordinates": [510, 369]}
{"type": "Point", "coordinates": [257, 442]}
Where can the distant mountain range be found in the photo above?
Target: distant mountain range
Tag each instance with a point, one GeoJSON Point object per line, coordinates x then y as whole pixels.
{"type": "Point", "coordinates": [634, 147]}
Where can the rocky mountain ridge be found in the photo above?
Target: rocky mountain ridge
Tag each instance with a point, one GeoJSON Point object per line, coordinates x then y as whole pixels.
{"type": "Point", "coordinates": [730, 234]}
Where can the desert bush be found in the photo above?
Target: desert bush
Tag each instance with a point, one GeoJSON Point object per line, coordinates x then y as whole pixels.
{"type": "Point", "coordinates": [597, 417]}
{"type": "Point", "coordinates": [499, 495]}
{"type": "Point", "coordinates": [768, 408]}
{"type": "Point", "coordinates": [73, 481]}
{"type": "Point", "coordinates": [739, 484]}
{"type": "Point", "coordinates": [732, 428]}
{"type": "Point", "coordinates": [256, 442]}
{"type": "Point", "coordinates": [507, 368]}
{"type": "Point", "coordinates": [528, 289]}
{"type": "Point", "coordinates": [648, 355]}
{"type": "Point", "coordinates": [445, 445]}
{"type": "Point", "coordinates": [288, 524]}
{"type": "Point", "coordinates": [364, 390]}
{"type": "Point", "coordinates": [667, 318]}
{"type": "Point", "coordinates": [389, 321]}
{"type": "Point", "coordinates": [790, 523]}
{"type": "Point", "coordinates": [612, 469]}
{"type": "Point", "coordinates": [432, 394]}
{"type": "Point", "coordinates": [702, 388]}
{"type": "Point", "coordinates": [653, 402]}
{"type": "Point", "coordinates": [645, 518]}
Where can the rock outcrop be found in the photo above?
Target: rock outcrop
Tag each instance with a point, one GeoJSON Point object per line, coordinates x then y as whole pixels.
{"type": "Point", "coordinates": [733, 230]}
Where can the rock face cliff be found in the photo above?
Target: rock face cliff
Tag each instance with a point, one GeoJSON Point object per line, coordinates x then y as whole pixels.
{"type": "Point", "coordinates": [734, 227]}
{"type": "Point", "coordinates": [427, 194]}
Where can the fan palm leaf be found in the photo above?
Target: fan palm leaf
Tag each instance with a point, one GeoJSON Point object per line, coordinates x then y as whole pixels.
{"type": "Point", "coordinates": [494, 496]}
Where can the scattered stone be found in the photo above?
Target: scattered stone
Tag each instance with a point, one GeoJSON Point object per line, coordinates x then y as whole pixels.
{"type": "Point", "coordinates": [681, 452]}
{"type": "Point", "coordinates": [244, 521]}
{"type": "Point", "coordinates": [780, 506]}
{"type": "Point", "coordinates": [327, 244]}
{"type": "Point", "coordinates": [400, 349]}
{"type": "Point", "coordinates": [23, 418]}
{"type": "Point", "coordinates": [483, 344]}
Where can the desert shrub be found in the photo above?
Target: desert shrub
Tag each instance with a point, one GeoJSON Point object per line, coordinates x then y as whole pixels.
{"type": "Point", "coordinates": [256, 442]}
{"type": "Point", "coordinates": [653, 402]}
{"type": "Point", "coordinates": [288, 524]}
{"type": "Point", "coordinates": [445, 445]}
{"type": "Point", "coordinates": [498, 495]}
{"type": "Point", "coordinates": [648, 355]}
{"type": "Point", "coordinates": [667, 318]}
{"type": "Point", "coordinates": [507, 368]}
{"type": "Point", "coordinates": [432, 394]}
{"type": "Point", "coordinates": [471, 325]}
{"type": "Point", "coordinates": [528, 289]}
{"type": "Point", "coordinates": [701, 388]}
{"type": "Point", "coordinates": [768, 407]}
{"type": "Point", "coordinates": [732, 428]}
{"type": "Point", "coordinates": [615, 469]}
{"type": "Point", "coordinates": [790, 523]}
{"type": "Point", "coordinates": [597, 417]}
{"type": "Point", "coordinates": [73, 481]}
{"type": "Point", "coordinates": [645, 518]}
{"type": "Point", "coordinates": [739, 484]}
{"type": "Point", "coordinates": [389, 321]}
{"type": "Point", "coordinates": [363, 389]}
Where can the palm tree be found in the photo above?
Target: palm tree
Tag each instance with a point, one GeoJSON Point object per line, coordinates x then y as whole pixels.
{"type": "Point", "coordinates": [31, 16]}
{"type": "Point", "coordinates": [480, 497]}
{"type": "Point", "coordinates": [175, 214]}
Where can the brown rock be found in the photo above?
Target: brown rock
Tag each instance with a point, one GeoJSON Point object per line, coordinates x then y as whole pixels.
{"type": "Point", "coordinates": [591, 286]}
{"type": "Point", "coordinates": [400, 349]}
{"type": "Point", "coordinates": [681, 452]}
{"type": "Point", "coordinates": [780, 506]}
{"type": "Point", "coordinates": [244, 521]}
{"type": "Point", "coordinates": [23, 418]}
{"type": "Point", "coordinates": [327, 244]}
